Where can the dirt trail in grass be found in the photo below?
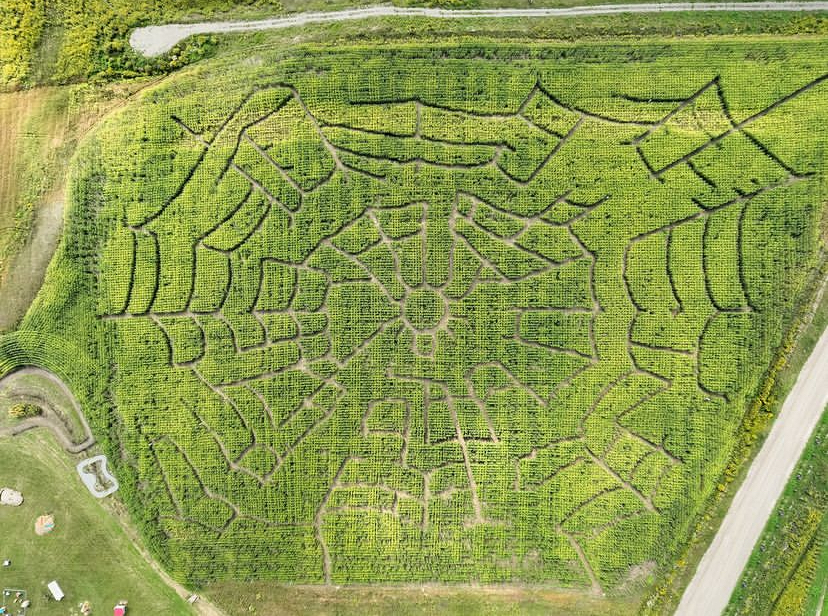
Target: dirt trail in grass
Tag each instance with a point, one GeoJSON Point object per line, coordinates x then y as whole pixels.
{"type": "Point", "coordinates": [156, 40]}
{"type": "Point", "coordinates": [61, 120]}
{"type": "Point", "coordinates": [16, 109]}
{"type": "Point", "coordinates": [27, 269]}
{"type": "Point", "coordinates": [52, 419]}
{"type": "Point", "coordinates": [23, 392]}
{"type": "Point", "coordinates": [202, 607]}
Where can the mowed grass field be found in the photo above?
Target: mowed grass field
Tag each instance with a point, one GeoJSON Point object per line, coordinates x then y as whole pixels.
{"type": "Point", "coordinates": [88, 553]}
{"type": "Point", "coordinates": [464, 313]}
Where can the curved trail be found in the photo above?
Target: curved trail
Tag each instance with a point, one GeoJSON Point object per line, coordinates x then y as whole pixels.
{"type": "Point", "coordinates": [52, 419]}
{"type": "Point", "coordinates": [156, 40]}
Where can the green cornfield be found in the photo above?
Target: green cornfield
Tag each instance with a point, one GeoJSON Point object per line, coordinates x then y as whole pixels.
{"type": "Point", "coordinates": [462, 312]}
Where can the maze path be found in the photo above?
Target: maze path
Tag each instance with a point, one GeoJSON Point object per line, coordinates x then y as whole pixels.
{"type": "Point", "coordinates": [373, 249]}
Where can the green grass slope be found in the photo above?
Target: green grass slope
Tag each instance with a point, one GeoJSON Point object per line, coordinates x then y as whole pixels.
{"type": "Point", "coordinates": [817, 598]}
{"type": "Point", "coordinates": [244, 598]}
{"type": "Point", "coordinates": [88, 553]}
{"type": "Point", "coordinates": [450, 313]}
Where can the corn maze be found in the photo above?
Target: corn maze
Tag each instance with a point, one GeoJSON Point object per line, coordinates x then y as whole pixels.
{"type": "Point", "coordinates": [404, 316]}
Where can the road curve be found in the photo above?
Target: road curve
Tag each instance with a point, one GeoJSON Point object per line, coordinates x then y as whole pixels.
{"type": "Point", "coordinates": [721, 566]}
{"type": "Point", "coordinates": [156, 40]}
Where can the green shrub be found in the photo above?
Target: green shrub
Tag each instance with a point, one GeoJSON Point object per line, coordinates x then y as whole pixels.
{"type": "Point", "coordinates": [24, 411]}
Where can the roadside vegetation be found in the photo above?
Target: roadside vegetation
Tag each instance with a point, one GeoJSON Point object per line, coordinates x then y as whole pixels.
{"type": "Point", "coordinates": [801, 338]}
{"type": "Point", "coordinates": [57, 41]}
{"type": "Point", "coordinates": [817, 601]}
{"type": "Point", "coordinates": [786, 575]}
{"type": "Point", "coordinates": [64, 41]}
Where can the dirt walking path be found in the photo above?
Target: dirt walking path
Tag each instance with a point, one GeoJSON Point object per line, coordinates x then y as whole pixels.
{"type": "Point", "coordinates": [156, 40]}
{"type": "Point", "coordinates": [15, 392]}
{"type": "Point", "coordinates": [27, 268]}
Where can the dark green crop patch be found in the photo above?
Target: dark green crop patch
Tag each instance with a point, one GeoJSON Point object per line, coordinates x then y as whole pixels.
{"type": "Point", "coordinates": [378, 315]}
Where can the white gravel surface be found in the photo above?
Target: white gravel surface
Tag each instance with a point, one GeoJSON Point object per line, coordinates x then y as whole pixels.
{"type": "Point", "coordinates": [156, 40]}
{"type": "Point", "coordinates": [720, 568]}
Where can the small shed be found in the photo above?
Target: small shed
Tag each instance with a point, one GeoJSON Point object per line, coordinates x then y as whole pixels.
{"type": "Point", "coordinates": [55, 589]}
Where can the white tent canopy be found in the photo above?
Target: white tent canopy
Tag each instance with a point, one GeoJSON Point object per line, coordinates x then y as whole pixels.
{"type": "Point", "coordinates": [54, 588]}
{"type": "Point", "coordinates": [10, 497]}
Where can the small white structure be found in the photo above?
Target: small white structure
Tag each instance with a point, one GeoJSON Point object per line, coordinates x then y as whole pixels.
{"type": "Point", "coordinates": [10, 497]}
{"type": "Point", "coordinates": [54, 588]}
{"type": "Point", "coordinates": [89, 477]}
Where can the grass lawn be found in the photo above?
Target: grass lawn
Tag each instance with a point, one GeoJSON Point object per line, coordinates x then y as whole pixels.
{"type": "Point", "coordinates": [88, 553]}
{"type": "Point", "coordinates": [238, 598]}
{"type": "Point", "coordinates": [817, 601]}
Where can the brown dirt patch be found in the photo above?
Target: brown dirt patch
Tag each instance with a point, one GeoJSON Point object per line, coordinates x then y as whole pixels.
{"type": "Point", "coordinates": [15, 110]}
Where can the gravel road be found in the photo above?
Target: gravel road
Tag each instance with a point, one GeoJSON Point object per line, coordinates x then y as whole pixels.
{"type": "Point", "coordinates": [156, 40]}
{"type": "Point", "coordinates": [720, 568]}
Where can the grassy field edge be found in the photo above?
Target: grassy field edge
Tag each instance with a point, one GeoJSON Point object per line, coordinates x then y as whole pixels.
{"type": "Point", "coordinates": [783, 566]}
{"type": "Point", "coordinates": [769, 405]}
{"type": "Point", "coordinates": [803, 334]}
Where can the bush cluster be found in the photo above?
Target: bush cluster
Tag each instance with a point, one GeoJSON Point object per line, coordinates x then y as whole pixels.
{"type": "Point", "coordinates": [24, 411]}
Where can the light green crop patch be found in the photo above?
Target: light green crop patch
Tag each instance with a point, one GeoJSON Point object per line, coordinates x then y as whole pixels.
{"type": "Point", "coordinates": [413, 314]}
